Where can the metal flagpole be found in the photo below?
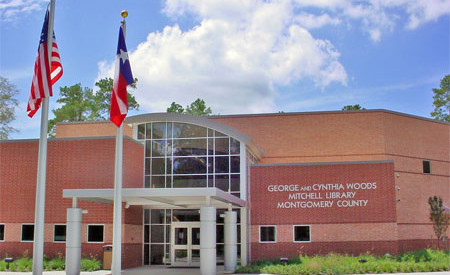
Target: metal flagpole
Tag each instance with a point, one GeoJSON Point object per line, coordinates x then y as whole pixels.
{"type": "Point", "coordinates": [38, 245]}
{"type": "Point", "coordinates": [117, 222]}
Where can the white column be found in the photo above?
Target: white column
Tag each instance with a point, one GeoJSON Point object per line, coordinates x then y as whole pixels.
{"type": "Point", "coordinates": [243, 169]}
{"type": "Point", "coordinates": [73, 241]}
{"type": "Point", "coordinates": [207, 240]}
{"type": "Point", "coordinates": [244, 225]}
{"type": "Point", "coordinates": [230, 240]}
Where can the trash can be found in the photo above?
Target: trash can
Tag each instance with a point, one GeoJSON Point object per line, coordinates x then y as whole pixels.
{"type": "Point", "coordinates": [107, 257]}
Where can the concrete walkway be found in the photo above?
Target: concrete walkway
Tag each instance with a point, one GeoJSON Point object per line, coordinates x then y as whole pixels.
{"type": "Point", "coordinates": [161, 270]}
{"type": "Point", "coordinates": [150, 270]}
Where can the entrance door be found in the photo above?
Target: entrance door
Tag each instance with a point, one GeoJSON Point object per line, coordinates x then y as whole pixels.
{"type": "Point", "coordinates": [185, 244]}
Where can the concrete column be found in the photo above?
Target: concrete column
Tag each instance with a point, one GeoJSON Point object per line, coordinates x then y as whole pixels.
{"type": "Point", "coordinates": [73, 241]}
{"type": "Point", "coordinates": [244, 248]}
{"type": "Point", "coordinates": [230, 240]}
{"type": "Point", "coordinates": [207, 240]}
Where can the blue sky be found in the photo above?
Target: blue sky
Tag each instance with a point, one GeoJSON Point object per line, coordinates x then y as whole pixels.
{"type": "Point", "coordinates": [249, 56]}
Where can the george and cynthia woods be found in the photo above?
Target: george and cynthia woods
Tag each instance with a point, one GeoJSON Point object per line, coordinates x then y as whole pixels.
{"type": "Point", "coordinates": [322, 195]}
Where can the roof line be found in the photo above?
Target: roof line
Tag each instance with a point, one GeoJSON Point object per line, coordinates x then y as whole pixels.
{"type": "Point", "coordinates": [321, 163]}
{"type": "Point", "coordinates": [333, 112]}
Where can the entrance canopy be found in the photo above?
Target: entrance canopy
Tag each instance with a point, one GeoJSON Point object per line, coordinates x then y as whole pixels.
{"type": "Point", "coordinates": [160, 197]}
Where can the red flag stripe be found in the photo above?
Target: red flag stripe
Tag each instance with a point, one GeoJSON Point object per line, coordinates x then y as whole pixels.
{"type": "Point", "coordinates": [44, 76]}
{"type": "Point", "coordinates": [122, 78]}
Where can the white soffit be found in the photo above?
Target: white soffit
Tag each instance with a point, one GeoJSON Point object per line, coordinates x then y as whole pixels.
{"type": "Point", "coordinates": [160, 197]}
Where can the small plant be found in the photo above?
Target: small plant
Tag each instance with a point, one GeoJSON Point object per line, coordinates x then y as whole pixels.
{"type": "Point", "coordinates": [438, 217]}
{"type": "Point", "coordinates": [90, 264]}
{"type": "Point", "coordinates": [417, 261]}
{"type": "Point", "coordinates": [57, 263]}
{"type": "Point", "coordinates": [3, 265]}
{"type": "Point", "coordinates": [26, 264]}
{"type": "Point", "coordinates": [22, 264]}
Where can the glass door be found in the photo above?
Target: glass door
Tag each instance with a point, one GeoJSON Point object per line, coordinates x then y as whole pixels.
{"type": "Point", "coordinates": [185, 244]}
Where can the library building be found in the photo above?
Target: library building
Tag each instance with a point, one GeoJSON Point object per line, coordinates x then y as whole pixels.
{"type": "Point", "coordinates": [231, 189]}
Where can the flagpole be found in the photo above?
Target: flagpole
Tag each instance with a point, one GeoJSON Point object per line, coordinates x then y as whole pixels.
{"type": "Point", "coordinates": [38, 245]}
{"type": "Point", "coordinates": [117, 221]}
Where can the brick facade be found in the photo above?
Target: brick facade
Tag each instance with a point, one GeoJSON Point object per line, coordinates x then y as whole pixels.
{"type": "Point", "coordinates": [364, 136]}
{"type": "Point", "coordinates": [72, 164]}
{"type": "Point", "coordinates": [89, 129]}
{"type": "Point", "coordinates": [298, 149]}
{"type": "Point", "coordinates": [347, 204]}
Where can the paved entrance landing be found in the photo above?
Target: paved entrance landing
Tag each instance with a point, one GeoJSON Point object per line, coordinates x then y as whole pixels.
{"type": "Point", "coordinates": [143, 270]}
{"type": "Point", "coordinates": [163, 270]}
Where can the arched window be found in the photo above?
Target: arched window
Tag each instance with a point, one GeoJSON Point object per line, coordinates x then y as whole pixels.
{"type": "Point", "coordinates": [181, 155]}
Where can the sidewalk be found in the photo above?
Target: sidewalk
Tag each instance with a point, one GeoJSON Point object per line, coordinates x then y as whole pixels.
{"type": "Point", "coordinates": [161, 270]}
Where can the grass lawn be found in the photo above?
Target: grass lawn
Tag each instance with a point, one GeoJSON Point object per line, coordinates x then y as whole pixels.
{"type": "Point", "coordinates": [418, 261]}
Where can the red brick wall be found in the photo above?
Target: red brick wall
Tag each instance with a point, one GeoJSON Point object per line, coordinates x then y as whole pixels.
{"type": "Point", "coordinates": [132, 242]}
{"type": "Point", "coordinates": [313, 137]}
{"type": "Point", "coordinates": [72, 164]}
{"type": "Point", "coordinates": [90, 129]}
{"type": "Point", "coordinates": [131, 255]}
{"type": "Point", "coordinates": [380, 206]}
{"type": "Point", "coordinates": [363, 136]}
{"type": "Point", "coordinates": [409, 141]}
{"type": "Point", "coordinates": [371, 226]}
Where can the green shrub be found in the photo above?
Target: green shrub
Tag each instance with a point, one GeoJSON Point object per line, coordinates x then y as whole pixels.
{"type": "Point", "coordinates": [26, 264]}
{"type": "Point", "coordinates": [417, 261]}
{"type": "Point", "coordinates": [3, 265]}
{"type": "Point", "coordinates": [22, 264]}
{"type": "Point", "coordinates": [56, 264]}
{"type": "Point", "coordinates": [90, 264]}
{"type": "Point", "coordinates": [257, 265]}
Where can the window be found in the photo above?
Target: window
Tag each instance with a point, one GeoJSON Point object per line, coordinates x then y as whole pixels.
{"type": "Point", "coordinates": [2, 232]}
{"type": "Point", "coordinates": [27, 232]}
{"type": "Point", "coordinates": [302, 233]}
{"type": "Point", "coordinates": [95, 233]}
{"type": "Point", "coordinates": [267, 234]}
{"type": "Point", "coordinates": [181, 155]}
{"type": "Point", "coordinates": [59, 233]}
{"type": "Point", "coordinates": [426, 167]}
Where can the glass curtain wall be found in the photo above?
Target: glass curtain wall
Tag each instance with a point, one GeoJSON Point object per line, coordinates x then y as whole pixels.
{"type": "Point", "coordinates": [185, 155]}
{"type": "Point", "coordinates": [180, 155]}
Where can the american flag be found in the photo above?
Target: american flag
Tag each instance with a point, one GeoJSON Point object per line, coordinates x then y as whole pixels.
{"type": "Point", "coordinates": [122, 78]}
{"type": "Point", "coordinates": [44, 76]}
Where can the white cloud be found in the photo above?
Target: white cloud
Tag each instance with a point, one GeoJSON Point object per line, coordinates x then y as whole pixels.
{"type": "Point", "coordinates": [240, 50]}
{"type": "Point", "coordinates": [380, 16]}
{"type": "Point", "coordinates": [322, 3]}
{"type": "Point", "coordinates": [311, 21]}
{"type": "Point", "coordinates": [233, 61]}
{"type": "Point", "coordinates": [423, 11]}
{"type": "Point", "coordinates": [206, 9]}
{"type": "Point", "coordinates": [10, 10]}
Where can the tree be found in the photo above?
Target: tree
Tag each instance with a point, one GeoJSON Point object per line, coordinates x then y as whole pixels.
{"type": "Point", "coordinates": [442, 100]}
{"type": "Point", "coordinates": [102, 99]}
{"type": "Point", "coordinates": [7, 106]}
{"type": "Point", "coordinates": [82, 104]}
{"type": "Point", "coordinates": [175, 108]}
{"type": "Point", "coordinates": [352, 107]}
{"type": "Point", "coordinates": [196, 108]}
{"type": "Point", "coordinates": [438, 217]}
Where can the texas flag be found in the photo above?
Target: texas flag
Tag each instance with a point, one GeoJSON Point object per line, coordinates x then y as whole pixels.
{"type": "Point", "coordinates": [122, 78]}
